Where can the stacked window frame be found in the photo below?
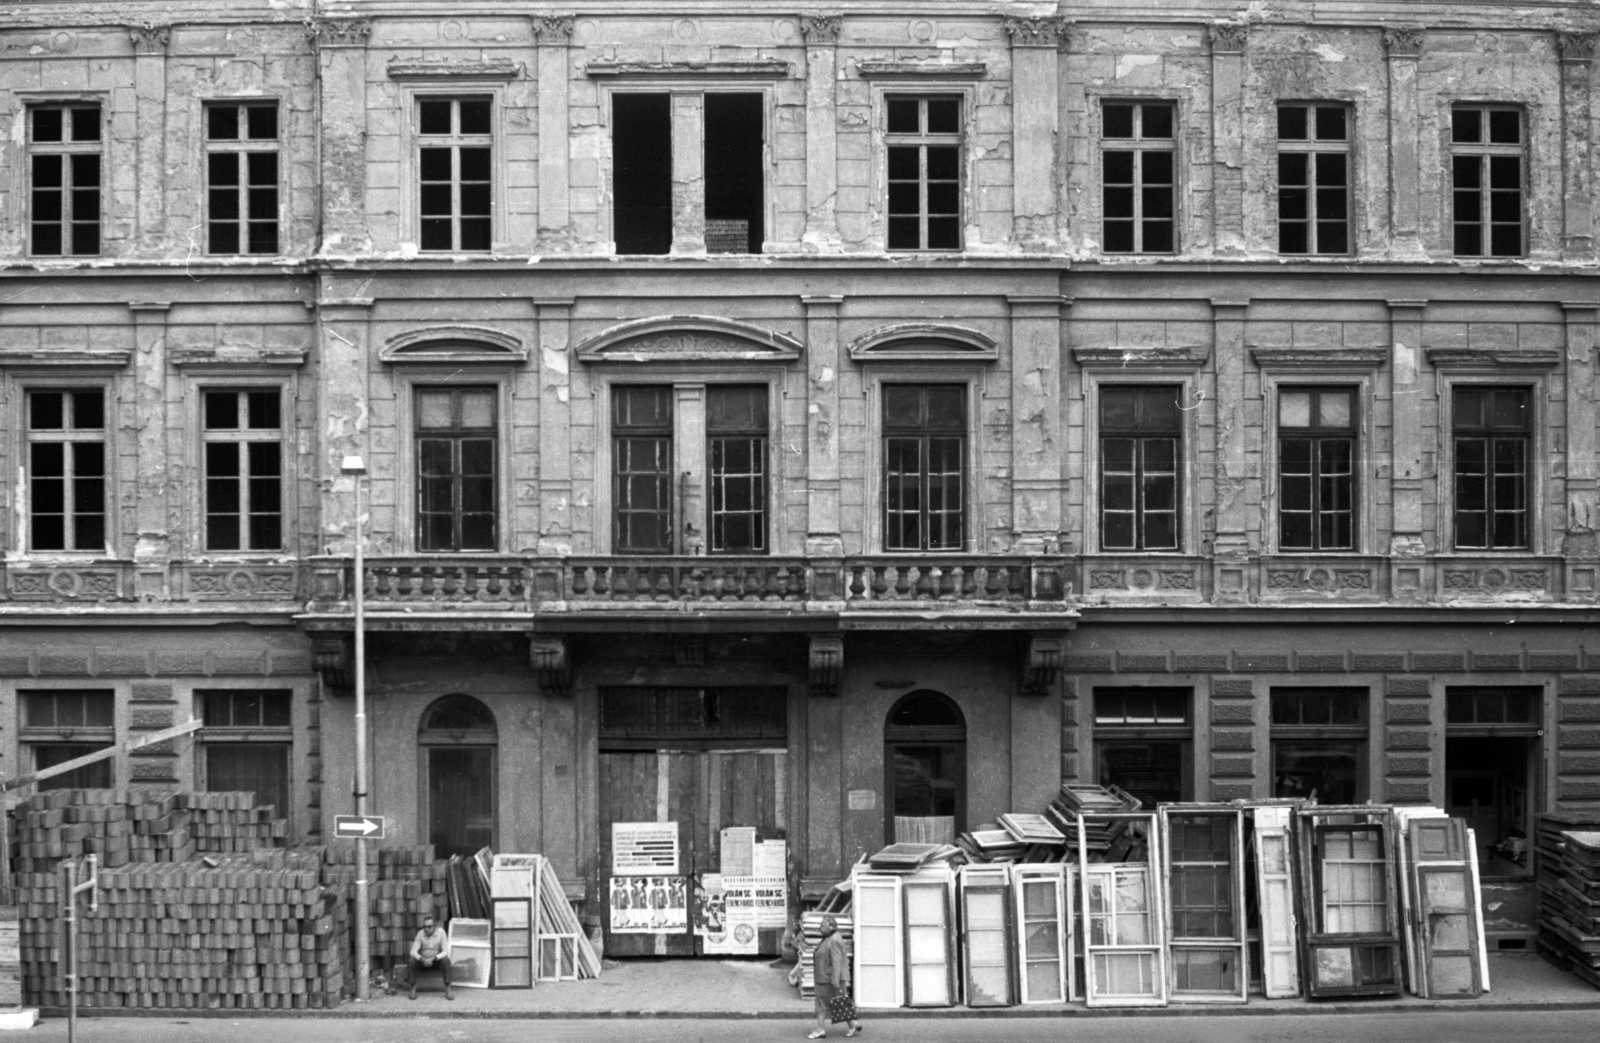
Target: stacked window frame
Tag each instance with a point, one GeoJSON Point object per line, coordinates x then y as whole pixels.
{"type": "Point", "coordinates": [1493, 436]}
{"type": "Point", "coordinates": [1317, 484]}
{"type": "Point", "coordinates": [242, 178]}
{"type": "Point", "coordinates": [455, 173]}
{"type": "Point", "coordinates": [1314, 178]}
{"type": "Point", "coordinates": [923, 144]}
{"type": "Point", "coordinates": [1138, 175]}
{"type": "Point", "coordinates": [65, 152]}
{"type": "Point", "coordinates": [242, 438]}
{"type": "Point", "coordinates": [1488, 180]}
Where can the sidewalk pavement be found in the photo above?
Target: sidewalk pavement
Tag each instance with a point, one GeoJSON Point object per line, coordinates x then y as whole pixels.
{"type": "Point", "coordinates": [755, 988]}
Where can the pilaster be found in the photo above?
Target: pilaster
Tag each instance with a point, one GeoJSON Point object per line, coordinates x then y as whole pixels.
{"type": "Point", "coordinates": [1236, 481]}
{"type": "Point", "coordinates": [152, 549]}
{"type": "Point", "coordinates": [1036, 441]}
{"type": "Point", "coordinates": [1404, 47]}
{"type": "Point", "coordinates": [553, 34]}
{"type": "Point", "coordinates": [342, 334]}
{"type": "Point", "coordinates": [821, 34]}
{"type": "Point", "coordinates": [1407, 469]}
{"type": "Point", "coordinates": [1227, 137]}
{"type": "Point", "coordinates": [1035, 107]}
{"type": "Point", "coordinates": [1580, 543]}
{"type": "Point", "coordinates": [342, 180]}
{"type": "Point", "coordinates": [1577, 70]}
{"type": "Point", "coordinates": [150, 91]}
{"type": "Point", "coordinates": [688, 175]}
{"type": "Point", "coordinates": [555, 433]}
{"type": "Point", "coordinates": [823, 538]}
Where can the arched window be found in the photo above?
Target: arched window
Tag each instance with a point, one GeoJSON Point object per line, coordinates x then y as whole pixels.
{"type": "Point", "coordinates": [925, 769]}
{"type": "Point", "coordinates": [457, 742]}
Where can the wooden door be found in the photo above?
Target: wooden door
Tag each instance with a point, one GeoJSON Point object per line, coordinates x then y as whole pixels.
{"type": "Point", "coordinates": [930, 943]}
{"type": "Point", "coordinates": [1445, 915]}
{"type": "Point", "coordinates": [1044, 921]}
{"type": "Point", "coordinates": [879, 949]}
{"type": "Point", "coordinates": [1280, 956]}
{"type": "Point", "coordinates": [986, 936]}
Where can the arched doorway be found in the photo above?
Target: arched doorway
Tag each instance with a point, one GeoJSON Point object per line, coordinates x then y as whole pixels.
{"type": "Point", "coordinates": [925, 769]}
{"type": "Point", "coordinates": [457, 742]}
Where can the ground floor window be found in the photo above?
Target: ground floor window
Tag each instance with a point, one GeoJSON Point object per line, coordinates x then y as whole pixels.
{"type": "Point", "coordinates": [1491, 757]}
{"type": "Point", "coordinates": [90, 776]}
{"type": "Point", "coordinates": [1143, 742]}
{"type": "Point", "coordinates": [925, 769]}
{"type": "Point", "coordinates": [1319, 744]}
{"type": "Point", "coordinates": [458, 743]}
{"type": "Point", "coordinates": [261, 768]}
{"type": "Point", "coordinates": [62, 724]}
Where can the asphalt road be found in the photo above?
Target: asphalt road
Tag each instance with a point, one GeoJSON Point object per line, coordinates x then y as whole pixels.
{"type": "Point", "coordinates": [1433, 1026]}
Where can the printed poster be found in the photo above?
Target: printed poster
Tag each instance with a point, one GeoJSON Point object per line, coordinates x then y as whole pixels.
{"type": "Point", "coordinates": [649, 905]}
{"type": "Point", "coordinates": [738, 850]}
{"type": "Point", "coordinates": [722, 931]}
{"type": "Point", "coordinates": [644, 848]}
{"type": "Point", "coordinates": [770, 858]}
{"type": "Point", "coordinates": [762, 901]}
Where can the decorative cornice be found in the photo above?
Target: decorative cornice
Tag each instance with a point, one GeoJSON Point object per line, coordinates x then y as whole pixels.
{"type": "Point", "coordinates": [332, 658]}
{"type": "Point", "coordinates": [149, 38]}
{"type": "Point", "coordinates": [926, 70]}
{"type": "Point", "coordinates": [1404, 42]}
{"type": "Point", "coordinates": [1324, 358]}
{"type": "Point", "coordinates": [484, 69]}
{"type": "Point", "coordinates": [553, 29]}
{"type": "Point", "coordinates": [1493, 358]}
{"type": "Point", "coordinates": [1037, 32]}
{"type": "Point", "coordinates": [64, 357]}
{"type": "Point", "coordinates": [1142, 357]}
{"type": "Point", "coordinates": [227, 355]}
{"type": "Point", "coordinates": [924, 342]}
{"type": "Point", "coordinates": [338, 32]}
{"type": "Point", "coordinates": [732, 69]}
{"type": "Point", "coordinates": [455, 344]}
{"type": "Point", "coordinates": [1576, 47]}
{"type": "Point", "coordinates": [821, 29]}
{"type": "Point", "coordinates": [1228, 37]}
{"type": "Point", "coordinates": [688, 338]}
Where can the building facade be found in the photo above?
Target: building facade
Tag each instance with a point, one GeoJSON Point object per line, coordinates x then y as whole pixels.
{"type": "Point", "coordinates": [803, 419]}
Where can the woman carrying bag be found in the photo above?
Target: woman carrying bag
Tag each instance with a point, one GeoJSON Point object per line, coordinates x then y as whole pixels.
{"type": "Point", "coordinates": [832, 965]}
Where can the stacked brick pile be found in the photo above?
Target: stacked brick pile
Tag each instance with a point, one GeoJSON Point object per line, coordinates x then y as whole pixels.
{"type": "Point", "coordinates": [249, 933]}
{"type": "Point", "coordinates": [124, 827]}
{"type": "Point", "coordinates": [406, 882]}
{"type": "Point", "coordinates": [228, 823]}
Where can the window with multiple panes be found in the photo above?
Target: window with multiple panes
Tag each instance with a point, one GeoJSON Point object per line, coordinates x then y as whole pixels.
{"type": "Point", "coordinates": [633, 716]}
{"type": "Point", "coordinates": [1316, 468]}
{"type": "Point", "coordinates": [1140, 435]}
{"type": "Point", "coordinates": [1319, 743]}
{"type": "Point", "coordinates": [242, 433]}
{"type": "Point", "coordinates": [1492, 707]}
{"type": "Point", "coordinates": [924, 155]}
{"type": "Point", "coordinates": [67, 470]}
{"type": "Point", "coordinates": [60, 725]}
{"type": "Point", "coordinates": [1492, 430]}
{"type": "Point", "coordinates": [246, 743]}
{"type": "Point", "coordinates": [641, 461]}
{"type": "Point", "coordinates": [455, 148]}
{"type": "Point", "coordinates": [1486, 180]}
{"type": "Point", "coordinates": [1313, 179]}
{"type": "Point", "coordinates": [64, 153]}
{"type": "Point", "coordinates": [1142, 741]}
{"type": "Point", "coordinates": [736, 433]}
{"type": "Point", "coordinates": [1138, 158]}
{"type": "Point", "coordinates": [457, 439]}
{"type": "Point", "coordinates": [925, 464]}
{"type": "Point", "coordinates": [242, 178]}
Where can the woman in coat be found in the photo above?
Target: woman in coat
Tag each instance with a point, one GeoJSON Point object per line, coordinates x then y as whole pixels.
{"type": "Point", "coordinates": [832, 966]}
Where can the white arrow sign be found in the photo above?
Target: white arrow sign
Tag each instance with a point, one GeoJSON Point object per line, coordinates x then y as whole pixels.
{"type": "Point", "coordinates": [368, 827]}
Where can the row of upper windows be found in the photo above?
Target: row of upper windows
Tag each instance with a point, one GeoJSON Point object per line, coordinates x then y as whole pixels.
{"type": "Point", "coordinates": [926, 456]}
{"type": "Point", "coordinates": [453, 173]}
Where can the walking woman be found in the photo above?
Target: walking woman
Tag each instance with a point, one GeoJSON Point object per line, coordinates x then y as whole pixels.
{"type": "Point", "coordinates": [832, 965]}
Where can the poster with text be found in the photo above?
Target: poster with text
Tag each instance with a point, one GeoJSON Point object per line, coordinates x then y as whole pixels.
{"type": "Point", "coordinates": [722, 931]}
{"type": "Point", "coordinates": [761, 901]}
{"type": "Point", "coordinates": [649, 905]}
{"type": "Point", "coordinates": [644, 848]}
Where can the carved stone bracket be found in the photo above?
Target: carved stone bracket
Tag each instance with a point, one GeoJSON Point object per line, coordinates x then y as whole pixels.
{"type": "Point", "coordinates": [553, 30]}
{"type": "Point", "coordinates": [552, 666]}
{"type": "Point", "coordinates": [827, 663]}
{"type": "Point", "coordinates": [1037, 32]}
{"type": "Point", "coordinates": [821, 29]}
{"type": "Point", "coordinates": [1227, 38]}
{"type": "Point", "coordinates": [333, 658]}
{"type": "Point", "coordinates": [338, 32]}
{"type": "Point", "coordinates": [1577, 47]}
{"type": "Point", "coordinates": [149, 38]}
{"type": "Point", "coordinates": [1403, 43]}
{"type": "Point", "coordinates": [1042, 658]}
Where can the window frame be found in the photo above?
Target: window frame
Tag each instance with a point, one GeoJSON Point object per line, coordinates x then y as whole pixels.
{"type": "Point", "coordinates": [1312, 146]}
{"type": "Point", "coordinates": [411, 142]}
{"type": "Point", "coordinates": [1099, 473]}
{"type": "Point", "coordinates": [1097, 374]}
{"type": "Point", "coordinates": [30, 737]}
{"type": "Point", "coordinates": [406, 382]}
{"type": "Point", "coordinates": [1112, 734]}
{"type": "Point", "coordinates": [64, 148]}
{"type": "Point", "coordinates": [920, 87]}
{"type": "Point", "coordinates": [25, 385]}
{"type": "Point", "coordinates": [1358, 493]}
{"type": "Point", "coordinates": [923, 139]}
{"type": "Point", "coordinates": [1359, 733]}
{"type": "Point", "coordinates": [1484, 150]}
{"type": "Point", "coordinates": [1138, 144]}
{"type": "Point", "coordinates": [243, 146]}
{"type": "Point", "coordinates": [234, 735]}
{"type": "Point", "coordinates": [456, 436]}
{"type": "Point", "coordinates": [975, 379]}
{"type": "Point", "coordinates": [924, 435]}
{"type": "Point", "coordinates": [240, 436]}
{"type": "Point", "coordinates": [1533, 475]}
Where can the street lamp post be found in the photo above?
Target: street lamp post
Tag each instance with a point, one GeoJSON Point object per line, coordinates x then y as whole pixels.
{"type": "Point", "coordinates": [356, 469]}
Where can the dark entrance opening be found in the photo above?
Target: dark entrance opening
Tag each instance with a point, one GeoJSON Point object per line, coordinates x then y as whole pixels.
{"type": "Point", "coordinates": [925, 767]}
{"type": "Point", "coordinates": [641, 181]}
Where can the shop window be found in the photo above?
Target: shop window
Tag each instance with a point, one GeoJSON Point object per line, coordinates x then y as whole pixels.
{"type": "Point", "coordinates": [243, 436]}
{"type": "Point", "coordinates": [1140, 438]}
{"type": "Point", "coordinates": [246, 741]}
{"type": "Point", "coordinates": [1313, 179]}
{"type": "Point", "coordinates": [67, 470]}
{"type": "Point", "coordinates": [1487, 179]}
{"type": "Point", "coordinates": [1316, 469]}
{"type": "Point", "coordinates": [64, 161]}
{"type": "Point", "coordinates": [1138, 157]}
{"type": "Point", "coordinates": [1491, 759]}
{"type": "Point", "coordinates": [925, 761]}
{"type": "Point", "coordinates": [923, 142]}
{"type": "Point", "coordinates": [457, 448]}
{"type": "Point", "coordinates": [1319, 744]}
{"type": "Point", "coordinates": [1492, 430]}
{"type": "Point", "coordinates": [455, 152]}
{"type": "Point", "coordinates": [60, 725]}
{"type": "Point", "coordinates": [459, 743]}
{"type": "Point", "coordinates": [925, 466]}
{"type": "Point", "coordinates": [734, 171]}
{"type": "Point", "coordinates": [1143, 741]}
{"type": "Point", "coordinates": [241, 153]}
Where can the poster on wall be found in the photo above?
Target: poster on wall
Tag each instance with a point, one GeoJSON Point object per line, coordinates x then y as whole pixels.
{"type": "Point", "coordinates": [649, 905]}
{"type": "Point", "coordinates": [761, 901]}
{"type": "Point", "coordinates": [644, 848]}
{"type": "Point", "coordinates": [770, 858]}
{"type": "Point", "coordinates": [722, 930]}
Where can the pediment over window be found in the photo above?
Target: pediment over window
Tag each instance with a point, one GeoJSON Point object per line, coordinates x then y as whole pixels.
{"type": "Point", "coordinates": [454, 345]}
{"type": "Point", "coordinates": [1493, 358]}
{"type": "Point", "coordinates": [924, 342]}
{"type": "Point", "coordinates": [1319, 358]}
{"type": "Point", "coordinates": [688, 338]}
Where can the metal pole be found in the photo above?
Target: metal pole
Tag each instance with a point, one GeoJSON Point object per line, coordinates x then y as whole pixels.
{"type": "Point", "coordinates": [363, 941]}
{"type": "Point", "coordinates": [72, 949]}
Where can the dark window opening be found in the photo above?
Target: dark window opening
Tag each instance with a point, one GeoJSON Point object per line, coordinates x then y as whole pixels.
{"type": "Point", "coordinates": [242, 432]}
{"type": "Point", "coordinates": [1487, 177]}
{"type": "Point", "coordinates": [96, 775]}
{"type": "Point", "coordinates": [458, 743]}
{"type": "Point", "coordinates": [63, 724]}
{"type": "Point", "coordinates": [734, 164]}
{"type": "Point", "coordinates": [1492, 432]}
{"type": "Point", "coordinates": [1313, 179]}
{"type": "Point", "coordinates": [455, 147]}
{"type": "Point", "coordinates": [1319, 743]}
{"type": "Point", "coordinates": [925, 767]}
{"type": "Point", "coordinates": [245, 708]}
{"type": "Point", "coordinates": [638, 717]}
{"type": "Point", "coordinates": [64, 156]}
{"type": "Point", "coordinates": [925, 460]}
{"type": "Point", "coordinates": [457, 494]}
{"type": "Point", "coordinates": [1142, 741]}
{"type": "Point", "coordinates": [924, 156]}
{"type": "Point", "coordinates": [67, 470]}
{"type": "Point", "coordinates": [641, 188]}
{"type": "Point", "coordinates": [242, 178]}
{"type": "Point", "coordinates": [1316, 469]}
{"type": "Point", "coordinates": [736, 429]}
{"type": "Point", "coordinates": [1138, 177]}
{"type": "Point", "coordinates": [258, 768]}
{"type": "Point", "coordinates": [1140, 435]}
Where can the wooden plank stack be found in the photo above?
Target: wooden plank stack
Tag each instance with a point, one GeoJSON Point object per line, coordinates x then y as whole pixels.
{"type": "Point", "coordinates": [811, 937]}
{"type": "Point", "coordinates": [1569, 893]}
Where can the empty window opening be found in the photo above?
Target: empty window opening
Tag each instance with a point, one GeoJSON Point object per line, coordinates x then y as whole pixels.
{"type": "Point", "coordinates": [641, 185]}
{"type": "Point", "coordinates": [734, 161]}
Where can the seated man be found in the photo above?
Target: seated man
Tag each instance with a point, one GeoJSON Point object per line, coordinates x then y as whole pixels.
{"type": "Point", "coordinates": [430, 950]}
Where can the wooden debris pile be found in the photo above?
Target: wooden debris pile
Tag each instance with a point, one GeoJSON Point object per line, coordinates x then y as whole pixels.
{"type": "Point", "coordinates": [1569, 893]}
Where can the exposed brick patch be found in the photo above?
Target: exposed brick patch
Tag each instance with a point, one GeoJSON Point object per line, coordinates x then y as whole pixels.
{"type": "Point", "coordinates": [1410, 764]}
{"type": "Point", "coordinates": [1408, 739]}
{"type": "Point", "coordinates": [1552, 661]}
{"type": "Point", "coordinates": [1080, 662]}
{"type": "Point", "coordinates": [1202, 663]}
{"type": "Point", "coordinates": [1233, 712]}
{"type": "Point", "coordinates": [1221, 790]}
{"type": "Point", "coordinates": [1254, 661]}
{"type": "Point", "coordinates": [1406, 792]}
{"type": "Point", "coordinates": [1481, 661]}
{"type": "Point", "coordinates": [1450, 661]}
{"type": "Point", "coordinates": [1141, 662]}
{"type": "Point", "coordinates": [1314, 661]}
{"type": "Point", "coordinates": [1412, 711]}
{"type": "Point", "coordinates": [1224, 686]}
{"type": "Point", "coordinates": [1580, 710]}
{"type": "Point", "coordinates": [1233, 739]}
{"type": "Point", "coordinates": [1406, 685]}
{"type": "Point", "coordinates": [1582, 684]}
{"type": "Point", "coordinates": [1380, 661]}
{"type": "Point", "coordinates": [1232, 764]}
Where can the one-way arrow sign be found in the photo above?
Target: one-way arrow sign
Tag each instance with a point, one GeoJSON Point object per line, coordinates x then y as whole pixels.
{"type": "Point", "coordinates": [367, 827]}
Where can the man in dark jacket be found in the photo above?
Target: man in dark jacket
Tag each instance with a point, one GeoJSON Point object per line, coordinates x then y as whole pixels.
{"type": "Point", "coordinates": [831, 962]}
